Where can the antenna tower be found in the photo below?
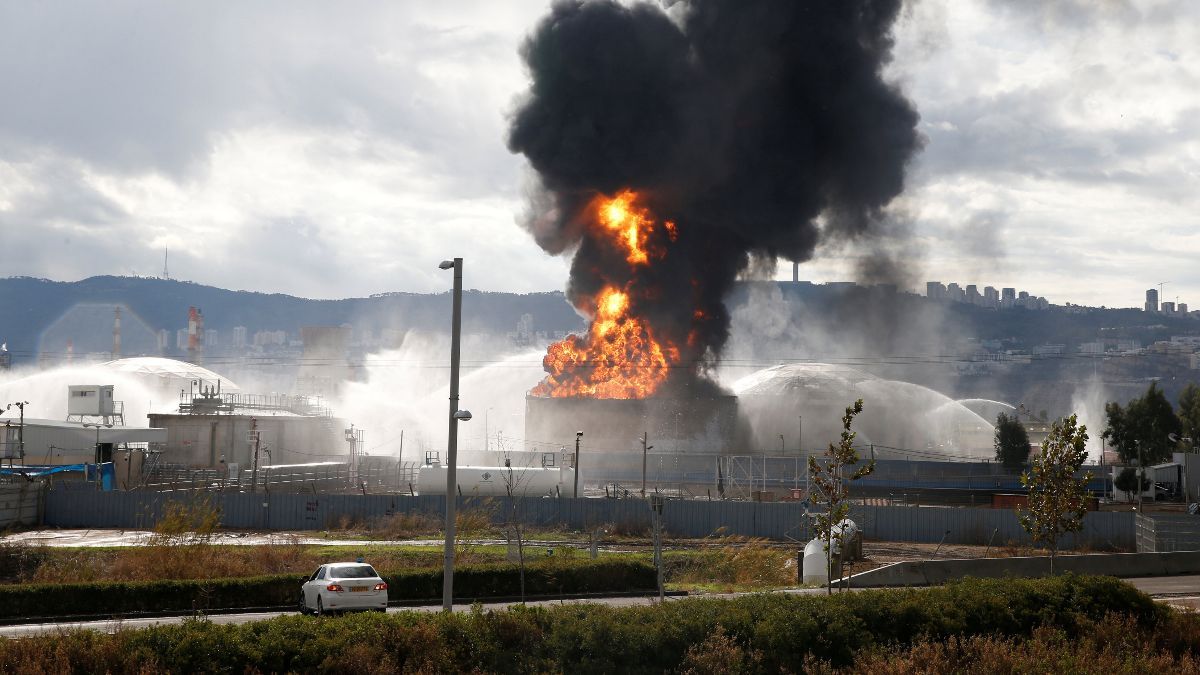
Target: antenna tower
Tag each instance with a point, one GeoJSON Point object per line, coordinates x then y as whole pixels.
{"type": "Point", "coordinates": [166, 275]}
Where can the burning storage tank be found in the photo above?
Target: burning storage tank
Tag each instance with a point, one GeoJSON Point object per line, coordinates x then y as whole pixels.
{"type": "Point", "coordinates": [670, 163]}
{"type": "Point", "coordinates": [697, 425]}
{"type": "Point", "coordinates": [635, 371]}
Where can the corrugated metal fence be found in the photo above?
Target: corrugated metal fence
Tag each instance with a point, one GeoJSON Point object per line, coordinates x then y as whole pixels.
{"type": "Point", "coordinates": [681, 518]}
{"type": "Point", "coordinates": [1163, 533]}
{"type": "Point", "coordinates": [20, 503]}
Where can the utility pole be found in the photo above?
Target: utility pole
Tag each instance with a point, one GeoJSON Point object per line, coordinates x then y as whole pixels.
{"type": "Point", "coordinates": [254, 436]}
{"type": "Point", "coordinates": [20, 428]}
{"type": "Point", "coordinates": [656, 509]}
{"type": "Point", "coordinates": [578, 435]}
{"type": "Point", "coordinates": [1141, 487]}
{"type": "Point", "coordinates": [456, 416]}
{"type": "Point", "coordinates": [645, 449]}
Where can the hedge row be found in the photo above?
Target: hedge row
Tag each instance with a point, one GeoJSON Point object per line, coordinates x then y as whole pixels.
{"type": "Point", "coordinates": [783, 630]}
{"type": "Point", "coordinates": [470, 582]}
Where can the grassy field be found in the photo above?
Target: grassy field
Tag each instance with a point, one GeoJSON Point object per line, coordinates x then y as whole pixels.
{"type": "Point", "coordinates": [724, 566]}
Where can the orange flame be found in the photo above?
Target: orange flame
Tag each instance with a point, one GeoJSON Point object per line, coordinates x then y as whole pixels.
{"type": "Point", "coordinates": [620, 357]}
{"type": "Point", "coordinates": [630, 223]}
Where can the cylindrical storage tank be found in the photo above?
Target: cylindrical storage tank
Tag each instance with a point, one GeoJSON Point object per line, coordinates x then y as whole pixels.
{"type": "Point", "coordinates": [493, 481]}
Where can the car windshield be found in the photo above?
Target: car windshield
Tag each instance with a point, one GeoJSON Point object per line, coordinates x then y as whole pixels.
{"type": "Point", "coordinates": [354, 572]}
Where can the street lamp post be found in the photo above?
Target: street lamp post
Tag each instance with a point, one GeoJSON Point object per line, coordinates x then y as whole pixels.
{"type": "Point", "coordinates": [578, 435]}
{"type": "Point", "coordinates": [20, 428]}
{"type": "Point", "coordinates": [487, 442]}
{"type": "Point", "coordinates": [645, 449]}
{"type": "Point", "coordinates": [455, 417]}
{"type": "Point", "coordinates": [97, 426]}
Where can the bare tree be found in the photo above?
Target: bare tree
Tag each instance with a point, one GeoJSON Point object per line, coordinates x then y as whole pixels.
{"type": "Point", "coordinates": [512, 481]}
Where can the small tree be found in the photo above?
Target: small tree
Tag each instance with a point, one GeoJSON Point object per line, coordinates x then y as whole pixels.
{"type": "Point", "coordinates": [831, 487]}
{"type": "Point", "coordinates": [1143, 426]}
{"type": "Point", "coordinates": [1189, 418]}
{"type": "Point", "coordinates": [1057, 497]}
{"type": "Point", "coordinates": [1012, 442]}
{"type": "Point", "coordinates": [1127, 481]}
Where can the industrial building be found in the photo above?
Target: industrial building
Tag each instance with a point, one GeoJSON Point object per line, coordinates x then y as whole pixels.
{"type": "Point", "coordinates": [210, 439]}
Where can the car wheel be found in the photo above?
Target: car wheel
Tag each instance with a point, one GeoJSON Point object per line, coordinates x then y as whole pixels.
{"type": "Point", "coordinates": [303, 604]}
{"type": "Point", "coordinates": [320, 607]}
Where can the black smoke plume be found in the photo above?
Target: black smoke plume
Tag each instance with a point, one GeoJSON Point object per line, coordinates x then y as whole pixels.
{"type": "Point", "coordinates": [743, 121]}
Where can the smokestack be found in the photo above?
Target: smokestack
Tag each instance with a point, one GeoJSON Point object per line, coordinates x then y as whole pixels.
{"type": "Point", "coordinates": [736, 126]}
{"type": "Point", "coordinates": [795, 272]}
{"type": "Point", "coordinates": [116, 333]}
{"type": "Point", "coordinates": [199, 337]}
{"type": "Point", "coordinates": [70, 350]}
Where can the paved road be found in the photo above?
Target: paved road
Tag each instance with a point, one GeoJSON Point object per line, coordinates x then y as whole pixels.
{"type": "Point", "coordinates": [1181, 591]}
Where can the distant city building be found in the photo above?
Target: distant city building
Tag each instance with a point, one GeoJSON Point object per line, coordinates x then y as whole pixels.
{"type": "Point", "coordinates": [181, 338]}
{"type": "Point", "coordinates": [1008, 297]}
{"type": "Point", "coordinates": [164, 340]}
{"type": "Point", "coordinates": [1124, 345]}
{"type": "Point", "coordinates": [973, 295]}
{"type": "Point", "coordinates": [1168, 308]}
{"type": "Point", "coordinates": [1152, 300]}
{"type": "Point", "coordinates": [210, 338]}
{"type": "Point", "coordinates": [1048, 350]}
{"type": "Point", "coordinates": [264, 338]}
{"type": "Point", "coordinates": [991, 297]}
{"type": "Point", "coordinates": [1091, 348]}
{"type": "Point", "coordinates": [1182, 308]}
{"type": "Point", "coordinates": [239, 336]}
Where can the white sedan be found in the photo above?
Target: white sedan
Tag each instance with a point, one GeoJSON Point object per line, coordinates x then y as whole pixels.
{"type": "Point", "coordinates": [341, 587]}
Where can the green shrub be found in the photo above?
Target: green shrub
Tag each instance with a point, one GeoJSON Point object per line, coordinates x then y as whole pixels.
{"type": "Point", "coordinates": [764, 633]}
{"type": "Point", "coordinates": [545, 577]}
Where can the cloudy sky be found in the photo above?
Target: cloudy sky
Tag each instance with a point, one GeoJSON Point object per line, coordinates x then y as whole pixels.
{"type": "Point", "coordinates": [338, 149]}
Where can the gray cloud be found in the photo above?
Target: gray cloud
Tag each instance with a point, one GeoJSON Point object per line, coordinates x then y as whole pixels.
{"type": "Point", "coordinates": [360, 140]}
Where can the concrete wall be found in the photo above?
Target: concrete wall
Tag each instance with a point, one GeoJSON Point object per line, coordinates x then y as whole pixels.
{"type": "Point", "coordinates": [690, 519]}
{"type": "Point", "coordinates": [21, 503]}
{"type": "Point", "coordinates": [934, 572]}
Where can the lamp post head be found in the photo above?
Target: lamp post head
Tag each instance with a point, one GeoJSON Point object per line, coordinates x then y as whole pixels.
{"type": "Point", "coordinates": [446, 265]}
{"type": "Point", "coordinates": [463, 415]}
{"type": "Point", "coordinates": [578, 434]}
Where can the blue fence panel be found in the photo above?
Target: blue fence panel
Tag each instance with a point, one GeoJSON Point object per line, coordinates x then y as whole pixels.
{"type": "Point", "coordinates": [681, 518]}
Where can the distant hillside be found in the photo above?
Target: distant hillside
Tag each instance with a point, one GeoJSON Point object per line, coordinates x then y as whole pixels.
{"type": "Point", "coordinates": [40, 315]}
{"type": "Point", "coordinates": [33, 308]}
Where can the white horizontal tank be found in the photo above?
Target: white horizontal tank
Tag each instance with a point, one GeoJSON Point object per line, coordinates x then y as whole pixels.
{"type": "Point", "coordinates": [493, 481]}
